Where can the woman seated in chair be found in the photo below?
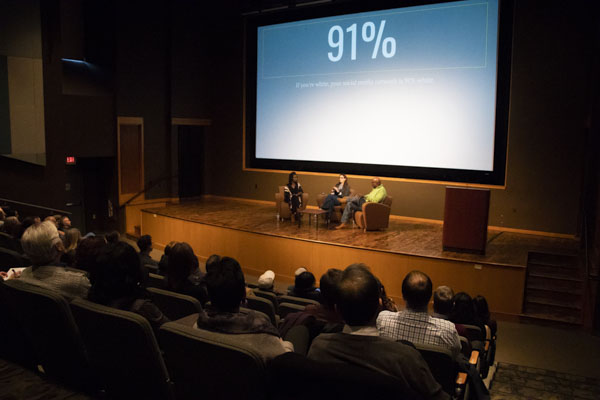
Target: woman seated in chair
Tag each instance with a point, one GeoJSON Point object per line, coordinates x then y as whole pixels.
{"type": "Point", "coordinates": [293, 194]}
{"type": "Point", "coordinates": [341, 189]}
{"type": "Point", "coordinates": [184, 275]}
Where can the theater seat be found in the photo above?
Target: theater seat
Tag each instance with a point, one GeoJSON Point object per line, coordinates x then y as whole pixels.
{"type": "Point", "coordinates": [374, 216]}
{"type": "Point", "coordinates": [210, 365]}
{"type": "Point", "coordinates": [272, 297]}
{"type": "Point", "coordinates": [155, 280]}
{"type": "Point", "coordinates": [174, 305]}
{"type": "Point", "coordinates": [292, 376]}
{"type": "Point", "coordinates": [17, 346]}
{"type": "Point", "coordinates": [287, 308]}
{"type": "Point", "coordinates": [47, 321]}
{"type": "Point", "coordinates": [446, 370]}
{"type": "Point", "coordinates": [123, 351]}
{"type": "Point", "coordinates": [12, 259]}
{"type": "Point", "coordinates": [263, 305]}
{"type": "Point", "coordinates": [297, 300]}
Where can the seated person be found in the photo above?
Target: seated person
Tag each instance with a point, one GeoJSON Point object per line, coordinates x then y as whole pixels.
{"type": "Point", "coordinates": [116, 282]}
{"type": "Point", "coordinates": [163, 264]}
{"type": "Point", "coordinates": [87, 251]}
{"type": "Point", "coordinates": [145, 245]}
{"type": "Point", "coordinates": [184, 275]}
{"type": "Point", "coordinates": [360, 345]}
{"type": "Point", "coordinates": [414, 324]}
{"type": "Point", "coordinates": [113, 237]}
{"type": "Point", "coordinates": [341, 189]}
{"type": "Point", "coordinates": [463, 313]}
{"type": "Point", "coordinates": [376, 195]}
{"type": "Point", "coordinates": [304, 286]}
{"type": "Point", "coordinates": [71, 241]}
{"type": "Point", "coordinates": [266, 282]}
{"type": "Point", "coordinates": [226, 291]}
{"type": "Point", "coordinates": [64, 224]}
{"type": "Point", "coordinates": [483, 313]}
{"type": "Point", "coordinates": [442, 302]}
{"type": "Point", "coordinates": [43, 246]}
{"type": "Point", "coordinates": [293, 194]}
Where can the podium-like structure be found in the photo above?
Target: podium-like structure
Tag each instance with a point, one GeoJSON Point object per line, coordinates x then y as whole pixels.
{"type": "Point", "coordinates": [466, 213]}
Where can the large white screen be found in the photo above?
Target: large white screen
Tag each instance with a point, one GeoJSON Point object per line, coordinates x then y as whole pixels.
{"type": "Point", "coordinates": [413, 86]}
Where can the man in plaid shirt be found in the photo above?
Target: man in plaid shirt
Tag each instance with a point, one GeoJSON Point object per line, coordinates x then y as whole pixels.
{"type": "Point", "coordinates": [414, 323]}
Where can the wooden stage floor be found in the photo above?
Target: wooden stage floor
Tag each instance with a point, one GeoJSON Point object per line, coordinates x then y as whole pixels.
{"type": "Point", "coordinates": [420, 239]}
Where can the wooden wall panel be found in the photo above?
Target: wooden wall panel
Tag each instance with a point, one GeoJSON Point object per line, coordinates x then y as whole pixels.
{"type": "Point", "coordinates": [502, 286]}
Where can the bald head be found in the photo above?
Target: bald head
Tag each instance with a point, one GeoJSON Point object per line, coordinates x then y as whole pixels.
{"type": "Point", "coordinates": [416, 290]}
{"type": "Point", "coordinates": [375, 182]}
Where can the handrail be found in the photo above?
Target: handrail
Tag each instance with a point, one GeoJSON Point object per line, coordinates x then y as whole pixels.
{"type": "Point", "coordinates": [36, 206]}
{"type": "Point", "coordinates": [151, 185]}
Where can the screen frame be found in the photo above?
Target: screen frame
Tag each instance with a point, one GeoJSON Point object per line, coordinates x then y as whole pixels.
{"type": "Point", "coordinates": [494, 178]}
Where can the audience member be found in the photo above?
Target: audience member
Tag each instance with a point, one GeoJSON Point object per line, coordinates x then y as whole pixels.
{"type": "Point", "coordinates": [463, 313]}
{"type": "Point", "coordinates": [71, 241]}
{"type": "Point", "coordinates": [87, 251]}
{"type": "Point", "coordinates": [266, 282]}
{"type": "Point", "coordinates": [212, 262]}
{"type": "Point", "coordinates": [226, 290]}
{"type": "Point", "coordinates": [183, 275]}
{"type": "Point", "coordinates": [112, 237]}
{"type": "Point", "coordinates": [116, 282]}
{"type": "Point", "coordinates": [414, 323]}
{"type": "Point", "coordinates": [387, 304]}
{"type": "Point", "coordinates": [163, 264]}
{"type": "Point", "coordinates": [304, 287]}
{"type": "Point", "coordinates": [483, 313]}
{"type": "Point", "coordinates": [43, 246]}
{"type": "Point", "coordinates": [354, 203]}
{"type": "Point", "coordinates": [64, 224]}
{"type": "Point", "coordinates": [359, 343]}
{"type": "Point", "coordinates": [28, 221]}
{"type": "Point", "coordinates": [442, 302]}
{"type": "Point", "coordinates": [2, 217]}
{"type": "Point", "coordinates": [145, 245]}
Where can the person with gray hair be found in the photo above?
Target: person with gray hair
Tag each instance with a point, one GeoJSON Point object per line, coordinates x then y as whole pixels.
{"type": "Point", "coordinates": [442, 302]}
{"type": "Point", "coordinates": [42, 244]}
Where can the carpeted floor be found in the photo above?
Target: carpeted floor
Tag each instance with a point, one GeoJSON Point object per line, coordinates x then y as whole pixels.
{"type": "Point", "coordinates": [515, 382]}
{"type": "Point", "coordinates": [18, 383]}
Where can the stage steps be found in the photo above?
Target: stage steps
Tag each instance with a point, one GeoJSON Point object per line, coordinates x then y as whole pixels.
{"type": "Point", "coordinates": [554, 287]}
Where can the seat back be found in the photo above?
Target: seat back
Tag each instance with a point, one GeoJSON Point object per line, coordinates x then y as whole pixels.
{"type": "Point", "coordinates": [17, 345]}
{"type": "Point", "coordinates": [442, 365]}
{"type": "Point", "coordinates": [297, 300]}
{"type": "Point", "coordinates": [204, 364]}
{"type": "Point", "coordinates": [272, 297]}
{"type": "Point", "coordinates": [9, 242]}
{"type": "Point", "coordinates": [155, 280]}
{"type": "Point", "coordinates": [292, 376]}
{"type": "Point", "coordinates": [286, 308]}
{"type": "Point", "coordinates": [46, 318]}
{"type": "Point", "coordinates": [123, 351]}
{"type": "Point", "coordinates": [174, 305]}
{"type": "Point", "coordinates": [262, 305]}
{"type": "Point", "coordinates": [11, 259]}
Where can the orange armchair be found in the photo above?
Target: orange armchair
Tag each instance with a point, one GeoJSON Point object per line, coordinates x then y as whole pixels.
{"type": "Point", "coordinates": [374, 216]}
{"type": "Point", "coordinates": [283, 209]}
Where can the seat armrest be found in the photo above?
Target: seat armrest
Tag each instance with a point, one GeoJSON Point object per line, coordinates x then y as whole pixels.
{"type": "Point", "coordinates": [461, 378]}
{"type": "Point", "coordinates": [474, 359]}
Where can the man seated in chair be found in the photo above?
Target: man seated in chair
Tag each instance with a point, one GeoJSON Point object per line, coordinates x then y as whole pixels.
{"type": "Point", "coordinates": [226, 290]}
{"type": "Point", "coordinates": [376, 195]}
{"type": "Point", "coordinates": [359, 344]}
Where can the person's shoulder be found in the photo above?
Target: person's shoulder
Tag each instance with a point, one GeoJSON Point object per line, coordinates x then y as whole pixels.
{"type": "Point", "coordinates": [387, 315]}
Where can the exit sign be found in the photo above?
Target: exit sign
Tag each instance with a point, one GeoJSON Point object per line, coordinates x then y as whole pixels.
{"type": "Point", "coordinates": [71, 160]}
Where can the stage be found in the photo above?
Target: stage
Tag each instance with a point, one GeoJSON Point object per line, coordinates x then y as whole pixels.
{"type": "Point", "coordinates": [250, 232]}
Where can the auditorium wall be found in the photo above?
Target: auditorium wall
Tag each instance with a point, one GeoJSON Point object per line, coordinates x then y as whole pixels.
{"type": "Point", "coordinates": [549, 110]}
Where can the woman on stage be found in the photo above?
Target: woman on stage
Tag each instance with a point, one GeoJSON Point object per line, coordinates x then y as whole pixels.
{"type": "Point", "coordinates": [293, 194]}
{"type": "Point", "coordinates": [341, 189]}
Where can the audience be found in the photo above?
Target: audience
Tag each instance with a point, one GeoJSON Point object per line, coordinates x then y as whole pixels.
{"type": "Point", "coordinates": [266, 281]}
{"type": "Point", "coordinates": [226, 290]}
{"type": "Point", "coordinates": [71, 241]}
{"type": "Point", "coordinates": [116, 282]}
{"type": "Point", "coordinates": [483, 313]}
{"type": "Point", "coordinates": [87, 251]}
{"type": "Point", "coordinates": [414, 323]}
{"type": "Point", "coordinates": [442, 302]}
{"type": "Point", "coordinates": [64, 223]}
{"type": "Point", "coordinates": [463, 313]}
{"type": "Point", "coordinates": [304, 287]}
{"type": "Point", "coordinates": [145, 245]}
{"type": "Point", "coordinates": [163, 264]}
{"type": "Point", "coordinates": [359, 343]}
{"type": "Point", "coordinates": [113, 237]}
{"type": "Point", "coordinates": [212, 262]}
{"type": "Point", "coordinates": [183, 275]}
{"type": "Point", "coordinates": [44, 248]}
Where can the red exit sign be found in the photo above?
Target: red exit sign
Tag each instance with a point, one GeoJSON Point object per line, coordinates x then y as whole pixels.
{"type": "Point", "coordinates": [70, 160]}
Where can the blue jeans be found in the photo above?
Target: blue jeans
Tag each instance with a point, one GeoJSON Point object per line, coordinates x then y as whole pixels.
{"type": "Point", "coordinates": [353, 204]}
